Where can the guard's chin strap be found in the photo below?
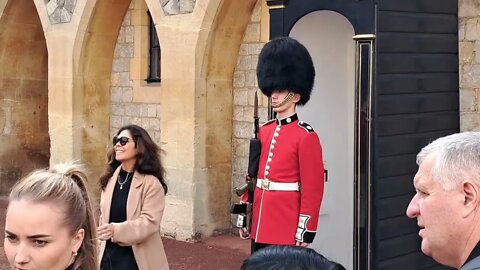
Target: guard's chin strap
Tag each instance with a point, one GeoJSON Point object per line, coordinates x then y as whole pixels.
{"type": "Point", "coordinates": [287, 98]}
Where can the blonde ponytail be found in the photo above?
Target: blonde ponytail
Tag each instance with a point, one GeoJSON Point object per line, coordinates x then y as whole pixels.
{"type": "Point", "coordinates": [65, 185]}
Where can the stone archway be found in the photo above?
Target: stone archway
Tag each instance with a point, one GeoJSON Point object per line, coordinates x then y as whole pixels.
{"type": "Point", "coordinates": [196, 102]}
{"type": "Point", "coordinates": [199, 55]}
{"type": "Point", "coordinates": [92, 82]}
{"type": "Point", "coordinates": [216, 78]}
{"type": "Point", "coordinates": [23, 92]}
{"type": "Point", "coordinates": [3, 4]}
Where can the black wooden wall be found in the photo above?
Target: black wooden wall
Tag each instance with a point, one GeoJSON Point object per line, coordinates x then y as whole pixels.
{"type": "Point", "coordinates": [416, 100]}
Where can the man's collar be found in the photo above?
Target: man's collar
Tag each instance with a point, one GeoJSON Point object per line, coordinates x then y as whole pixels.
{"type": "Point", "coordinates": [287, 120]}
{"type": "Point", "coordinates": [475, 253]}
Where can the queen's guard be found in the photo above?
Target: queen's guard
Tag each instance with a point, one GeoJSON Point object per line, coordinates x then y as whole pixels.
{"type": "Point", "coordinates": [290, 181]}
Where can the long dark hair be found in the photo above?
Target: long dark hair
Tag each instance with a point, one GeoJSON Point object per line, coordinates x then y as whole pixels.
{"type": "Point", "coordinates": [148, 157]}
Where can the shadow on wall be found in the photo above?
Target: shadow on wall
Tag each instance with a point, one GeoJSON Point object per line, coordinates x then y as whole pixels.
{"type": "Point", "coordinates": [23, 93]}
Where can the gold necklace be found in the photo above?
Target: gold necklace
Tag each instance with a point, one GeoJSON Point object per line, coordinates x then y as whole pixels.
{"type": "Point", "coordinates": [124, 181]}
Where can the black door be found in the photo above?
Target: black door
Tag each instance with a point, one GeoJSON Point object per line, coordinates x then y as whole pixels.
{"type": "Point", "coordinates": [416, 101]}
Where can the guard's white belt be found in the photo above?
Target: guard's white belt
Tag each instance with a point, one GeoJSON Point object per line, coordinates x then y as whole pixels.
{"type": "Point", "coordinates": [266, 184]}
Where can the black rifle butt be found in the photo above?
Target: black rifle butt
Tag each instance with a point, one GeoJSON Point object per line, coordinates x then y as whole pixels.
{"type": "Point", "coordinates": [238, 208]}
{"type": "Point", "coordinates": [254, 157]}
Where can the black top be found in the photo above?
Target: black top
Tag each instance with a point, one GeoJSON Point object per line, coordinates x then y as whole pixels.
{"type": "Point", "coordinates": [118, 257]}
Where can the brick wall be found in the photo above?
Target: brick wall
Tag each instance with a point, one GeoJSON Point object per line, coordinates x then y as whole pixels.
{"type": "Point", "coordinates": [123, 109]}
{"type": "Point", "coordinates": [469, 60]}
{"type": "Point", "coordinates": [244, 87]}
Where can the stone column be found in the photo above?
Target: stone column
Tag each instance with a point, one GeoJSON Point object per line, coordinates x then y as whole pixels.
{"type": "Point", "coordinates": [199, 53]}
{"type": "Point", "coordinates": [63, 103]}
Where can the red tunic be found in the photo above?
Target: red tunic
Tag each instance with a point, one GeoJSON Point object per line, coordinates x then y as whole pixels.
{"type": "Point", "coordinates": [291, 152]}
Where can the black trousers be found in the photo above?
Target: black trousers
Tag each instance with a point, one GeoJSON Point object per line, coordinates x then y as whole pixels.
{"type": "Point", "coordinates": [258, 246]}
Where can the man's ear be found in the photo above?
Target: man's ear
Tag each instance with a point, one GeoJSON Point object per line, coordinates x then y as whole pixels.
{"type": "Point", "coordinates": [296, 97]}
{"type": "Point", "coordinates": [471, 194]}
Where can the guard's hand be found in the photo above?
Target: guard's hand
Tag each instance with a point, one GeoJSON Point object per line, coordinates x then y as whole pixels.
{"type": "Point", "coordinates": [302, 244]}
{"type": "Point", "coordinates": [244, 234]}
{"type": "Point", "coordinates": [105, 232]}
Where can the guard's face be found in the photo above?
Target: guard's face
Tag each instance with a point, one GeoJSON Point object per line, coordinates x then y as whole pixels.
{"type": "Point", "coordinates": [438, 214]}
{"type": "Point", "coordinates": [36, 238]}
{"type": "Point", "coordinates": [282, 102]}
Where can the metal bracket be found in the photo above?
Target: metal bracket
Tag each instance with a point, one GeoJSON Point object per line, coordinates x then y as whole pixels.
{"type": "Point", "coordinates": [276, 4]}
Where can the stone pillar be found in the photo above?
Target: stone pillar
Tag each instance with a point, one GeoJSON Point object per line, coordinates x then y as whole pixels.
{"type": "Point", "coordinates": [62, 122]}
{"type": "Point", "coordinates": [179, 124]}
{"type": "Point", "coordinates": [63, 127]}
{"type": "Point", "coordinates": [199, 52]}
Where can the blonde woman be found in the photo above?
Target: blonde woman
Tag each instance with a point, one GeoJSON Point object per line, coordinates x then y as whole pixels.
{"type": "Point", "coordinates": [49, 222]}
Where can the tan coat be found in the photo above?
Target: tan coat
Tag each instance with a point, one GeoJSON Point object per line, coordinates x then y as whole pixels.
{"type": "Point", "coordinates": [141, 230]}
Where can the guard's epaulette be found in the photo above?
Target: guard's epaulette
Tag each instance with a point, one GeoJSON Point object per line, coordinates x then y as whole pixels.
{"type": "Point", "coordinates": [305, 126]}
{"type": "Point", "coordinates": [268, 122]}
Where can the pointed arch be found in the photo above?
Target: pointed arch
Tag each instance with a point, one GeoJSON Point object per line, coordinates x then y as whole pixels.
{"type": "Point", "coordinates": [93, 52]}
{"type": "Point", "coordinates": [196, 102]}
{"type": "Point", "coordinates": [218, 51]}
{"type": "Point", "coordinates": [3, 4]}
{"type": "Point", "coordinates": [23, 92]}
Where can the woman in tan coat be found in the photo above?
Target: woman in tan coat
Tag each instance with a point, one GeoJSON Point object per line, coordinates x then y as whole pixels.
{"type": "Point", "coordinates": [132, 204]}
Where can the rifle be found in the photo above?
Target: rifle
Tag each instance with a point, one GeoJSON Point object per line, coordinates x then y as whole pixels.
{"type": "Point", "coordinates": [244, 210]}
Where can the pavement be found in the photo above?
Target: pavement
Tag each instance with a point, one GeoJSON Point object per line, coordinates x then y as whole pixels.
{"type": "Point", "coordinates": [223, 252]}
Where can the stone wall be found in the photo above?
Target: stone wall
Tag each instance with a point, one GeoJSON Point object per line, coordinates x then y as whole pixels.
{"type": "Point", "coordinates": [175, 7]}
{"type": "Point", "coordinates": [195, 137]}
{"type": "Point", "coordinates": [124, 108]}
{"type": "Point", "coordinates": [245, 85]}
{"type": "Point", "coordinates": [96, 70]}
{"type": "Point", "coordinates": [469, 60]}
{"type": "Point", "coordinates": [25, 142]}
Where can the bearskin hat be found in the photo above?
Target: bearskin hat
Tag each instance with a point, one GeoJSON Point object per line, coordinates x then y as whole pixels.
{"type": "Point", "coordinates": [284, 63]}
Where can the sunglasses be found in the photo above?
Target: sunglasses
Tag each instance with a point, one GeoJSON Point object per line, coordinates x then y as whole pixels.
{"type": "Point", "coordinates": [121, 140]}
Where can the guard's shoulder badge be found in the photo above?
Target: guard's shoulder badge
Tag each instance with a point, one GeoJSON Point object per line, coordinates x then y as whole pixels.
{"type": "Point", "coordinates": [305, 126]}
{"type": "Point", "coordinates": [268, 122]}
